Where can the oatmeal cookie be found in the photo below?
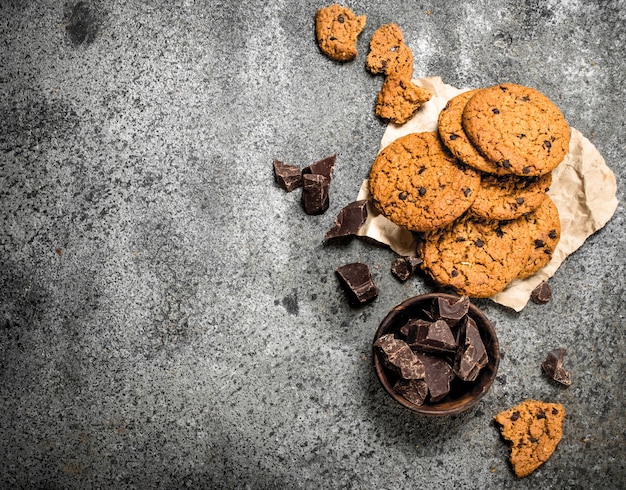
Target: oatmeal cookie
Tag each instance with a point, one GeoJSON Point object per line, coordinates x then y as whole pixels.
{"type": "Point", "coordinates": [337, 29]}
{"type": "Point", "coordinates": [534, 429]}
{"type": "Point", "coordinates": [416, 183]}
{"type": "Point", "coordinates": [517, 127]}
{"type": "Point", "coordinates": [450, 126]}
{"type": "Point", "coordinates": [509, 196]}
{"type": "Point", "coordinates": [476, 257]}
{"type": "Point", "coordinates": [545, 233]}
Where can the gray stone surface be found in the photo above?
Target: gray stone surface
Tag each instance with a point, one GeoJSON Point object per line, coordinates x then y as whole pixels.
{"type": "Point", "coordinates": [170, 318]}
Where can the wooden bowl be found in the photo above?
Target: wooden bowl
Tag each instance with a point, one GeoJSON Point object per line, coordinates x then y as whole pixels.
{"type": "Point", "coordinates": [463, 395]}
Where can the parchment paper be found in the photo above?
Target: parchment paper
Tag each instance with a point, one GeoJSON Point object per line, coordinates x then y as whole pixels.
{"type": "Point", "coordinates": [583, 188]}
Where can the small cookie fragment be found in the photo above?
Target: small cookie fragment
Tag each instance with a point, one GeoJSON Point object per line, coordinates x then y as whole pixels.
{"type": "Point", "coordinates": [349, 220]}
{"type": "Point", "coordinates": [357, 281]}
{"type": "Point", "coordinates": [399, 99]}
{"type": "Point", "coordinates": [553, 367]}
{"type": "Point", "coordinates": [288, 177]}
{"type": "Point", "coordinates": [541, 294]}
{"type": "Point", "coordinates": [337, 29]}
{"type": "Point", "coordinates": [534, 429]}
{"type": "Point", "coordinates": [404, 267]}
{"type": "Point", "coordinates": [388, 54]}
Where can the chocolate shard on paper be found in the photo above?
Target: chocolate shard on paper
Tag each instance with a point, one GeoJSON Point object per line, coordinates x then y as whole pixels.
{"type": "Point", "coordinates": [315, 198]}
{"type": "Point", "coordinates": [453, 311]}
{"type": "Point", "coordinates": [324, 167]}
{"type": "Point", "coordinates": [438, 374]}
{"type": "Point", "coordinates": [349, 220]}
{"type": "Point", "coordinates": [288, 177]}
{"type": "Point", "coordinates": [553, 367]}
{"type": "Point", "coordinates": [398, 355]}
{"type": "Point", "coordinates": [357, 281]}
{"type": "Point", "coordinates": [413, 390]}
{"type": "Point", "coordinates": [541, 294]}
{"type": "Point", "coordinates": [472, 355]}
{"type": "Point", "coordinates": [405, 266]}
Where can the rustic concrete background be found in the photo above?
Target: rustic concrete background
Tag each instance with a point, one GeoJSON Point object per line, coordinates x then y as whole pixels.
{"type": "Point", "coordinates": [170, 317]}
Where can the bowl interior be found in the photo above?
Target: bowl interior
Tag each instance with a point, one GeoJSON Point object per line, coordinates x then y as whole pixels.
{"type": "Point", "coordinates": [462, 394]}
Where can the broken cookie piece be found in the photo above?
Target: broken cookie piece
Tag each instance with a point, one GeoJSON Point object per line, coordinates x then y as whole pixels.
{"type": "Point", "coordinates": [553, 367]}
{"type": "Point", "coordinates": [337, 29]}
{"type": "Point", "coordinates": [357, 281]}
{"type": "Point", "coordinates": [349, 220]}
{"type": "Point", "coordinates": [534, 429]}
{"type": "Point", "coordinates": [399, 99]}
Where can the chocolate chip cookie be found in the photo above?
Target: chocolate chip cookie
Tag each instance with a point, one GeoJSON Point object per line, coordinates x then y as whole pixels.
{"type": "Point", "coordinates": [518, 128]}
{"type": "Point", "coordinates": [450, 126]}
{"type": "Point", "coordinates": [475, 257]}
{"type": "Point", "coordinates": [545, 233]}
{"type": "Point", "coordinates": [416, 183]}
{"type": "Point", "coordinates": [509, 196]}
{"type": "Point", "coordinates": [337, 29]}
{"type": "Point", "coordinates": [534, 429]}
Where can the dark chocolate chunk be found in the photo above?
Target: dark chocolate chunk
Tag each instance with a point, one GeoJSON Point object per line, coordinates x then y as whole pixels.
{"type": "Point", "coordinates": [315, 193]}
{"type": "Point", "coordinates": [324, 167]}
{"type": "Point", "coordinates": [411, 328]}
{"type": "Point", "coordinates": [398, 356]}
{"type": "Point", "coordinates": [542, 293]}
{"type": "Point", "coordinates": [349, 220]}
{"type": "Point", "coordinates": [553, 367]}
{"type": "Point", "coordinates": [403, 267]}
{"type": "Point", "coordinates": [434, 337]}
{"type": "Point", "coordinates": [357, 281]}
{"type": "Point", "coordinates": [288, 177]}
{"type": "Point", "coordinates": [413, 390]}
{"type": "Point", "coordinates": [438, 374]}
{"type": "Point", "coordinates": [453, 311]}
{"type": "Point", "coordinates": [472, 355]}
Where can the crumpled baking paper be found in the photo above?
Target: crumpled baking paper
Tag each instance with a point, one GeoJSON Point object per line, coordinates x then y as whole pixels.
{"type": "Point", "coordinates": [583, 188]}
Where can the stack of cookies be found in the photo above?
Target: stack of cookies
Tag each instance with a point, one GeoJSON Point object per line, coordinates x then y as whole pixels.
{"type": "Point", "coordinates": [475, 189]}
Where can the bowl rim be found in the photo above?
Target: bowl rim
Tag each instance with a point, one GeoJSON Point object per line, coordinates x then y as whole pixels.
{"type": "Point", "coordinates": [487, 375]}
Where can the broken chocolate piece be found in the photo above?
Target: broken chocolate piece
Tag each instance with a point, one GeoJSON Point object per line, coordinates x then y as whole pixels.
{"type": "Point", "coordinates": [288, 177]}
{"type": "Point", "coordinates": [472, 356]}
{"type": "Point", "coordinates": [403, 267]}
{"type": "Point", "coordinates": [413, 390]}
{"type": "Point", "coordinates": [542, 293]}
{"type": "Point", "coordinates": [357, 281]}
{"type": "Point", "coordinates": [324, 167]}
{"type": "Point", "coordinates": [435, 337]}
{"type": "Point", "coordinates": [411, 328]}
{"type": "Point", "coordinates": [453, 311]}
{"type": "Point", "coordinates": [438, 374]}
{"type": "Point", "coordinates": [398, 355]}
{"type": "Point", "coordinates": [553, 367]}
{"type": "Point", "coordinates": [315, 193]}
{"type": "Point", "coordinates": [349, 220]}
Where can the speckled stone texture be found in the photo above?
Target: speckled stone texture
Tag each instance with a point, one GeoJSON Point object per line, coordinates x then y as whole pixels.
{"type": "Point", "coordinates": [170, 317]}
